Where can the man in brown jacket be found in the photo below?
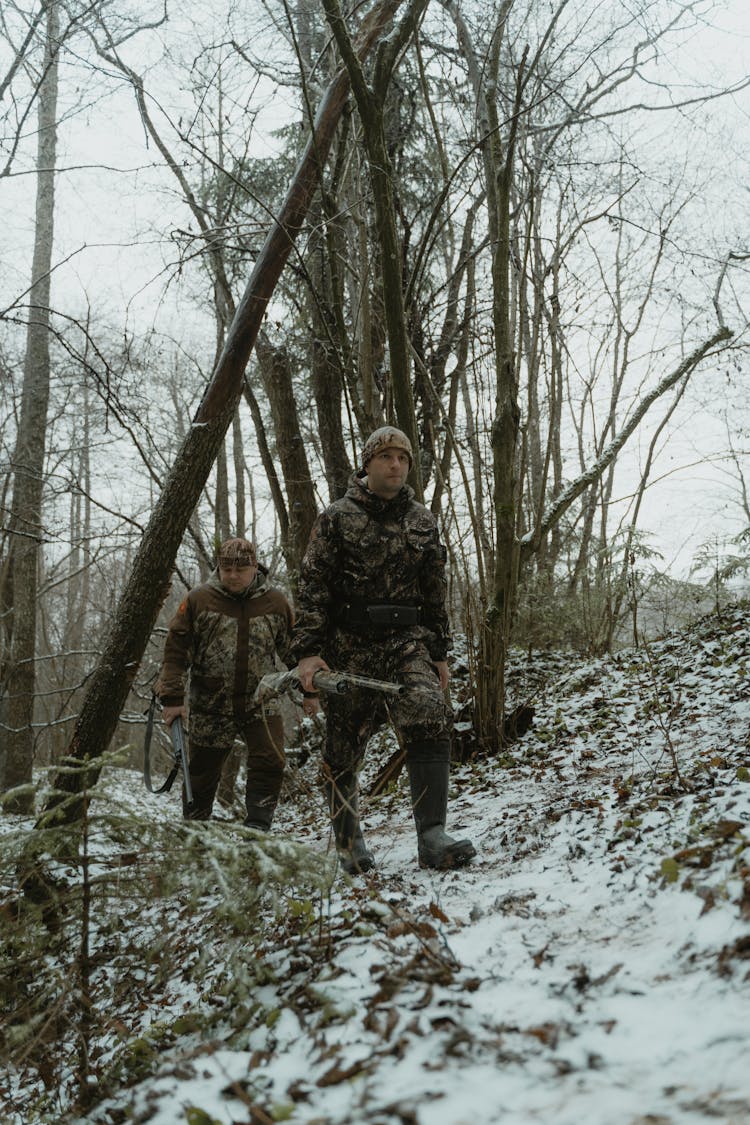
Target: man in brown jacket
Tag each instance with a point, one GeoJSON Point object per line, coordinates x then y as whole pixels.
{"type": "Point", "coordinates": [228, 633]}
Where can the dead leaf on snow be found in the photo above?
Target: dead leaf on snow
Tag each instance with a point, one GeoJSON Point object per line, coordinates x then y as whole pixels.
{"type": "Point", "coordinates": [724, 829]}
{"type": "Point", "coordinates": [436, 912]}
{"type": "Point", "coordinates": [744, 900]}
{"type": "Point", "coordinates": [547, 1033]}
{"type": "Point", "coordinates": [419, 929]}
{"type": "Point", "coordinates": [424, 1001]}
{"type": "Point", "coordinates": [338, 1074]}
{"type": "Point", "coordinates": [740, 950]}
{"type": "Point", "coordinates": [541, 956]}
{"type": "Point", "coordinates": [609, 974]}
{"type": "Point", "coordinates": [441, 1022]}
{"type": "Point", "coordinates": [702, 855]}
{"type": "Point", "coordinates": [709, 899]}
{"type": "Point", "coordinates": [299, 1091]}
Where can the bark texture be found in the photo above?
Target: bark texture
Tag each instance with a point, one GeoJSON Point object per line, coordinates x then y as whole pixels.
{"type": "Point", "coordinates": [21, 593]}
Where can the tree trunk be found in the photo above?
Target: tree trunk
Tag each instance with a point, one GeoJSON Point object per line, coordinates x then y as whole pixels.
{"type": "Point", "coordinates": [26, 505]}
{"type": "Point", "coordinates": [239, 475]}
{"type": "Point", "coordinates": [371, 106]}
{"type": "Point", "coordinates": [326, 378]}
{"type": "Point", "coordinates": [221, 511]}
{"type": "Point", "coordinates": [148, 582]}
{"type": "Point", "coordinates": [506, 422]}
{"type": "Point", "coordinates": [290, 449]}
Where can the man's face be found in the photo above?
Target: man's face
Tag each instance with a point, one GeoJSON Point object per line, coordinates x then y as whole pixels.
{"type": "Point", "coordinates": [387, 472]}
{"type": "Point", "coordinates": [237, 574]}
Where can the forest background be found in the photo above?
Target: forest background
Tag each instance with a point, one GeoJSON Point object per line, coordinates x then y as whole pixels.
{"type": "Point", "coordinates": [527, 247]}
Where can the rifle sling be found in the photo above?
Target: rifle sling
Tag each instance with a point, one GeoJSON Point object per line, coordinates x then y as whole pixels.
{"type": "Point", "coordinates": [167, 785]}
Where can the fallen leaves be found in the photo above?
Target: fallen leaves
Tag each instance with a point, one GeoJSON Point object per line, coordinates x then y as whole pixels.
{"type": "Point", "coordinates": [338, 1074]}
{"type": "Point", "coordinates": [739, 950]}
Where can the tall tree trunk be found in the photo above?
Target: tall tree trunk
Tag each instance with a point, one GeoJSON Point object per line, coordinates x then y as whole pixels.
{"type": "Point", "coordinates": [221, 511]}
{"type": "Point", "coordinates": [325, 300]}
{"type": "Point", "coordinates": [505, 424]}
{"type": "Point", "coordinates": [26, 505]}
{"type": "Point", "coordinates": [148, 581]}
{"type": "Point", "coordinates": [371, 106]}
{"type": "Point", "coordinates": [276, 373]}
{"type": "Point", "coordinates": [238, 459]}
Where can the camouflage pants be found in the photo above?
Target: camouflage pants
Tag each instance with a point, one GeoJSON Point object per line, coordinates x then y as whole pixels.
{"type": "Point", "coordinates": [264, 739]}
{"type": "Point", "coordinates": [419, 715]}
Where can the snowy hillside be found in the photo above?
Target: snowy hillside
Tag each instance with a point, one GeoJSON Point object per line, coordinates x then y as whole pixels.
{"type": "Point", "coordinates": [592, 965]}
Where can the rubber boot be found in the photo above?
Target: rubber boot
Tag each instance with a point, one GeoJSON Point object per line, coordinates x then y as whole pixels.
{"type": "Point", "coordinates": [429, 766]}
{"type": "Point", "coordinates": [343, 801]}
{"type": "Point", "coordinates": [259, 816]}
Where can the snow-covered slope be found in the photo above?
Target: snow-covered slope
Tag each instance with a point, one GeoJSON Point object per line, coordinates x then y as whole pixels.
{"type": "Point", "coordinates": [591, 965]}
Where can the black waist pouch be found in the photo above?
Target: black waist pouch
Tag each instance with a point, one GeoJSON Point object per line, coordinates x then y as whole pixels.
{"type": "Point", "coordinates": [379, 615]}
{"type": "Point", "coordinates": [393, 616]}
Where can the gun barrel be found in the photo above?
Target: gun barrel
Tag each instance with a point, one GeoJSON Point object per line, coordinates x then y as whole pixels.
{"type": "Point", "coordinates": [341, 682]}
{"type": "Point", "coordinates": [330, 682]}
{"type": "Point", "coordinates": [180, 757]}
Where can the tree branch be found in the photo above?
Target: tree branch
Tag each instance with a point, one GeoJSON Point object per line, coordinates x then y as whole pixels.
{"type": "Point", "coordinates": [560, 505]}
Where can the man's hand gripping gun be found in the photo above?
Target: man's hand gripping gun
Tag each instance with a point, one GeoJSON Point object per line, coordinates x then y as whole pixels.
{"type": "Point", "coordinates": [331, 683]}
{"type": "Point", "coordinates": [177, 734]}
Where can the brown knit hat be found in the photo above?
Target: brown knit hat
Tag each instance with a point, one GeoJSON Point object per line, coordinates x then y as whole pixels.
{"type": "Point", "coordinates": [387, 437]}
{"type": "Point", "coordinates": [237, 551]}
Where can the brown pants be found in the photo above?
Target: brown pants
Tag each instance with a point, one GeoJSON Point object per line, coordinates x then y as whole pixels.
{"type": "Point", "coordinates": [264, 739]}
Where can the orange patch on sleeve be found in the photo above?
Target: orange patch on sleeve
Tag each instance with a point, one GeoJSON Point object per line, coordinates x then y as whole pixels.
{"type": "Point", "coordinates": [183, 606]}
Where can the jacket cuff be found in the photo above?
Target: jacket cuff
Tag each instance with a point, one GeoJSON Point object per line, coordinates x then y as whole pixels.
{"type": "Point", "coordinates": [172, 700]}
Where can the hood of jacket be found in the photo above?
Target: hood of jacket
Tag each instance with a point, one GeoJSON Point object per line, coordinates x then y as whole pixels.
{"type": "Point", "coordinates": [375, 505]}
{"type": "Point", "coordinates": [258, 586]}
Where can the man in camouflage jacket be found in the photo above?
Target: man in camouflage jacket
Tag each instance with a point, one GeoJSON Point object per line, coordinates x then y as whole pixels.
{"type": "Point", "coordinates": [372, 602]}
{"type": "Point", "coordinates": [228, 633]}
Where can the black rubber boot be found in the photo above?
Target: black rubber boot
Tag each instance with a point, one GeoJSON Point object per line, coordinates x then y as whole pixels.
{"type": "Point", "coordinates": [259, 816]}
{"type": "Point", "coordinates": [429, 766]}
{"type": "Point", "coordinates": [343, 801]}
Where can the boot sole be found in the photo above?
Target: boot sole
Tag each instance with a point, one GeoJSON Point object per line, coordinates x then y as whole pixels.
{"type": "Point", "coordinates": [459, 857]}
{"type": "Point", "coordinates": [357, 866]}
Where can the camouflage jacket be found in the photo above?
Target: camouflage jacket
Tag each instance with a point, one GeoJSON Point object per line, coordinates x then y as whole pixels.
{"type": "Point", "coordinates": [227, 642]}
{"type": "Point", "coordinates": [365, 550]}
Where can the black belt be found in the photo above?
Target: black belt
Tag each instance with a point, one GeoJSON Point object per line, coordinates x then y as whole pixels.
{"type": "Point", "coordinates": [378, 615]}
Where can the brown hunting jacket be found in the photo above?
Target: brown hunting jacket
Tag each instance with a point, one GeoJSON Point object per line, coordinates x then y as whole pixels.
{"type": "Point", "coordinates": [227, 642]}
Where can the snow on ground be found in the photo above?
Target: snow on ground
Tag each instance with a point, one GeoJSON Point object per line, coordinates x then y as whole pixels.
{"type": "Point", "coordinates": [592, 964]}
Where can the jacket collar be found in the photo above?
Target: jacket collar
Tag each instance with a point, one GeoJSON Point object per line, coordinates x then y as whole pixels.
{"type": "Point", "coordinates": [258, 586]}
{"type": "Point", "coordinates": [375, 505]}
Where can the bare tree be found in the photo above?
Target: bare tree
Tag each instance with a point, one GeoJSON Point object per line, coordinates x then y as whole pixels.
{"type": "Point", "coordinates": [19, 593]}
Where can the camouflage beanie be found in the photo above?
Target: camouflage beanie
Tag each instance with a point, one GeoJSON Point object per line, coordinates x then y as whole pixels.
{"type": "Point", "coordinates": [387, 437]}
{"type": "Point", "coordinates": [237, 551]}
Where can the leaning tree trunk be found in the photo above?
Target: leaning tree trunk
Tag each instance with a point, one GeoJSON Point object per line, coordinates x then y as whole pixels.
{"type": "Point", "coordinates": [148, 583]}
{"type": "Point", "coordinates": [28, 468]}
